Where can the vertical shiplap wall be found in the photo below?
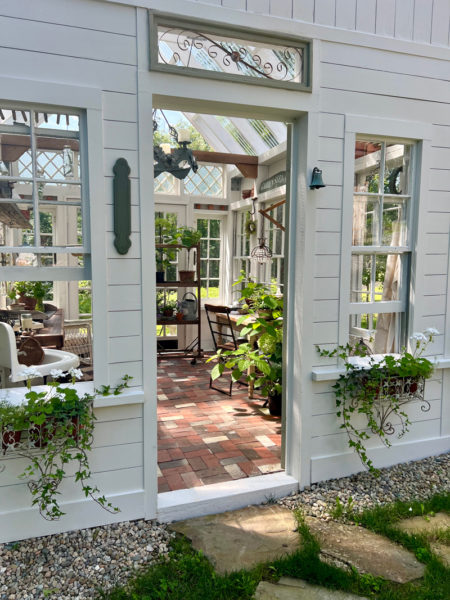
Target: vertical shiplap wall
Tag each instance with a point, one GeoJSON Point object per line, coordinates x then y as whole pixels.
{"type": "Point", "coordinates": [90, 44]}
{"type": "Point", "coordinates": [424, 21]}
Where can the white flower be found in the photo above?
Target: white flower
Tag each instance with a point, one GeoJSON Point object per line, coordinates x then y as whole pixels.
{"type": "Point", "coordinates": [431, 331]}
{"type": "Point", "coordinates": [410, 509]}
{"type": "Point", "coordinates": [419, 337]}
{"type": "Point", "coordinates": [77, 373]}
{"type": "Point", "coordinates": [29, 373]}
{"type": "Point", "coordinates": [57, 373]}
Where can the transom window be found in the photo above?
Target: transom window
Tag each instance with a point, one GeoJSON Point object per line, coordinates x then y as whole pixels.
{"type": "Point", "coordinates": [217, 53]}
{"type": "Point", "coordinates": [381, 244]}
{"type": "Point", "coordinates": [208, 182]}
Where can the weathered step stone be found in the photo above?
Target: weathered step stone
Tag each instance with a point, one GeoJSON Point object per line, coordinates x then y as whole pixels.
{"type": "Point", "coordinates": [297, 589]}
{"type": "Point", "coordinates": [241, 539]}
{"type": "Point", "coordinates": [366, 551]}
{"type": "Point", "coordinates": [428, 526]}
{"type": "Point", "coordinates": [425, 525]}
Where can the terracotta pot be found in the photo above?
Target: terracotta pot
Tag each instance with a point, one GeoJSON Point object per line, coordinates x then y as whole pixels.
{"type": "Point", "coordinates": [30, 303]}
{"type": "Point", "coordinates": [179, 316]}
{"type": "Point", "coordinates": [187, 275]}
{"type": "Point", "coordinates": [168, 312]}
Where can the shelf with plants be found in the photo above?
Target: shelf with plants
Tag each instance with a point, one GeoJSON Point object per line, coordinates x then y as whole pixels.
{"type": "Point", "coordinates": [180, 312]}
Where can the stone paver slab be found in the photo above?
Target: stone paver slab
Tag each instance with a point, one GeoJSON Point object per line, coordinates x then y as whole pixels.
{"type": "Point", "coordinates": [241, 539]}
{"type": "Point", "coordinates": [366, 551]}
{"type": "Point", "coordinates": [442, 551]}
{"type": "Point", "coordinates": [426, 525]}
{"type": "Point", "coordinates": [297, 589]}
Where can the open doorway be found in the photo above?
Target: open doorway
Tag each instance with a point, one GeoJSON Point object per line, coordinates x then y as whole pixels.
{"type": "Point", "coordinates": [214, 432]}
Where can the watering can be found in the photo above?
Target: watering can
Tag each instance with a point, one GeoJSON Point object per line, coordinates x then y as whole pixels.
{"type": "Point", "coordinates": [189, 306]}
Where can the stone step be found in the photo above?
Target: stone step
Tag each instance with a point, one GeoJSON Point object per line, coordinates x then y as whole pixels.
{"type": "Point", "coordinates": [297, 589]}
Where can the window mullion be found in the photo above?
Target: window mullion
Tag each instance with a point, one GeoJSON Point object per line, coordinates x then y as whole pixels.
{"type": "Point", "coordinates": [34, 192]}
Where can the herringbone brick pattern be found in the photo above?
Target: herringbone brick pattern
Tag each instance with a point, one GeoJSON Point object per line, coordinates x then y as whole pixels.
{"type": "Point", "coordinates": [206, 437]}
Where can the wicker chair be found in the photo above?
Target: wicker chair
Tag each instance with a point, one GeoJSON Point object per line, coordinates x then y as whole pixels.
{"type": "Point", "coordinates": [78, 339]}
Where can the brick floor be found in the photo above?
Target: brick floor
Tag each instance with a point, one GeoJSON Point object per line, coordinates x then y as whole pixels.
{"type": "Point", "coordinates": [207, 437]}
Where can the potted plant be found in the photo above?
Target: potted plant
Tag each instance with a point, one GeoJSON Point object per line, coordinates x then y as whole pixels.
{"type": "Point", "coordinates": [12, 423]}
{"type": "Point", "coordinates": [189, 237]}
{"type": "Point", "coordinates": [262, 355]}
{"type": "Point", "coordinates": [179, 315]}
{"type": "Point", "coordinates": [60, 423]}
{"type": "Point", "coordinates": [166, 233]}
{"type": "Point", "coordinates": [32, 293]}
{"type": "Point", "coordinates": [168, 308]}
{"type": "Point", "coordinates": [378, 387]}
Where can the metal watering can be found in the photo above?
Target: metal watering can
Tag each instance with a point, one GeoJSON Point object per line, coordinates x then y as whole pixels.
{"type": "Point", "coordinates": [189, 306]}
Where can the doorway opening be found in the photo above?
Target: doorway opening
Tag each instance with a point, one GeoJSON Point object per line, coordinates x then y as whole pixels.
{"type": "Point", "coordinates": [234, 208]}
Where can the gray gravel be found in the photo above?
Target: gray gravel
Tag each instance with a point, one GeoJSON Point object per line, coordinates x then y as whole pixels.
{"type": "Point", "coordinates": [416, 480]}
{"type": "Point", "coordinates": [73, 565]}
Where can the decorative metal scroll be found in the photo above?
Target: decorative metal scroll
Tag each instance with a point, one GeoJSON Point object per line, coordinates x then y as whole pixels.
{"type": "Point", "coordinates": [211, 52]}
{"type": "Point", "coordinates": [395, 392]}
{"type": "Point", "coordinates": [122, 206]}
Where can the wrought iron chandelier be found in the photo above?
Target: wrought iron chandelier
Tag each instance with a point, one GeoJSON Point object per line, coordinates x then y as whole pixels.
{"type": "Point", "coordinates": [170, 159]}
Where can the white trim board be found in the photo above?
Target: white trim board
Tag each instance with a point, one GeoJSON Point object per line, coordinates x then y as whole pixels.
{"type": "Point", "coordinates": [335, 466]}
{"type": "Point", "coordinates": [80, 514]}
{"type": "Point", "coordinates": [220, 497]}
{"type": "Point", "coordinates": [332, 373]}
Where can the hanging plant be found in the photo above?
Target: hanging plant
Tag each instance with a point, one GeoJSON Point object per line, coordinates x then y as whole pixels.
{"type": "Point", "coordinates": [52, 430]}
{"type": "Point", "coordinates": [378, 387]}
{"type": "Point", "coordinates": [250, 225]}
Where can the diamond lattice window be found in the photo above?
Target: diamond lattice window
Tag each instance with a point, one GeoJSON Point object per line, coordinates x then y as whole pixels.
{"type": "Point", "coordinates": [208, 181]}
{"type": "Point", "coordinates": [165, 184]}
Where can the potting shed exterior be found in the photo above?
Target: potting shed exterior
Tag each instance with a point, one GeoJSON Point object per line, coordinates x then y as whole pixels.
{"type": "Point", "coordinates": [374, 71]}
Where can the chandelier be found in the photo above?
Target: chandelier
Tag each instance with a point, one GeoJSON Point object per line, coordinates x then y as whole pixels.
{"type": "Point", "coordinates": [171, 159]}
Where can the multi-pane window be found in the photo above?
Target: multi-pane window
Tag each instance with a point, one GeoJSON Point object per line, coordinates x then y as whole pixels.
{"type": "Point", "coordinates": [40, 174]}
{"type": "Point", "coordinates": [381, 244]}
{"type": "Point", "coordinates": [208, 181]}
{"type": "Point", "coordinates": [273, 271]}
{"type": "Point", "coordinates": [210, 256]}
{"type": "Point", "coordinates": [241, 254]}
{"type": "Point", "coordinates": [166, 296]}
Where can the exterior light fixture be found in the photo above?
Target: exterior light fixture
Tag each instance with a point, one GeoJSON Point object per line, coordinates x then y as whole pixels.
{"type": "Point", "coordinates": [316, 179]}
{"type": "Point", "coordinates": [170, 159]}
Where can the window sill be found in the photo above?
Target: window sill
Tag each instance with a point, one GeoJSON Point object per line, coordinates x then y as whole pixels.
{"type": "Point", "coordinates": [332, 373]}
{"type": "Point", "coordinates": [128, 396]}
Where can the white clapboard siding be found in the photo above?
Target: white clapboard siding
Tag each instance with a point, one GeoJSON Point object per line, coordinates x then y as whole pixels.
{"type": "Point", "coordinates": [326, 266]}
{"type": "Point", "coordinates": [86, 14]}
{"type": "Point", "coordinates": [441, 131]}
{"type": "Point", "coordinates": [328, 220]}
{"type": "Point", "coordinates": [333, 172]}
{"type": "Point", "coordinates": [327, 242]}
{"type": "Point", "coordinates": [325, 12]}
{"type": "Point", "coordinates": [330, 197]}
{"type": "Point", "coordinates": [423, 12]}
{"type": "Point", "coordinates": [436, 243]}
{"type": "Point", "coordinates": [325, 332]}
{"type": "Point", "coordinates": [110, 156]}
{"type": "Point", "coordinates": [279, 8]}
{"type": "Point", "coordinates": [331, 149]}
{"type": "Point", "coordinates": [48, 38]}
{"type": "Point", "coordinates": [326, 288]}
{"type": "Point", "coordinates": [437, 222]}
{"type": "Point", "coordinates": [381, 60]}
{"type": "Point", "coordinates": [119, 106]}
{"type": "Point", "coordinates": [438, 202]}
{"type": "Point", "coordinates": [346, 14]}
{"type": "Point", "coordinates": [236, 4]}
{"type": "Point", "coordinates": [440, 180]}
{"type": "Point", "coordinates": [115, 413]}
{"type": "Point", "coordinates": [133, 369]}
{"type": "Point", "coordinates": [134, 185]}
{"type": "Point", "coordinates": [404, 19]}
{"type": "Point", "coordinates": [439, 25]}
{"type": "Point", "coordinates": [325, 310]}
{"type": "Point", "coordinates": [124, 324]}
{"type": "Point", "coordinates": [125, 348]}
{"type": "Point", "coordinates": [434, 284]}
{"type": "Point", "coordinates": [436, 264]}
{"type": "Point", "coordinates": [331, 125]}
{"type": "Point", "coordinates": [133, 252]}
{"type": "Point", "coordinates": [119, 135]}
{"type": "Point", "coordinates": [366, 15]}
{"type": "Point", "coordinates": [258, 6]}
{"type": "Point", "coordinates": [303, 10]}
{"type": "Point", "coordinates": [124, 271]}
{"type": "Point", "coordinates": [124, 297]}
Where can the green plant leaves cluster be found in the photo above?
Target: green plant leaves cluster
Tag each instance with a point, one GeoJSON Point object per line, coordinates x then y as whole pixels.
{"type": "Point", "coordinates": [59, 423]}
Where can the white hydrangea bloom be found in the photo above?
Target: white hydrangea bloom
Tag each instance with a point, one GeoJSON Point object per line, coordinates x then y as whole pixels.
{"type": "Point", "coordinates": [419, 337]}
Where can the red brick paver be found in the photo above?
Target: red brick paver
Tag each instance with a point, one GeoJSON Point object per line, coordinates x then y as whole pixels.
{"type": "Point", "coordinates": [207, 437]}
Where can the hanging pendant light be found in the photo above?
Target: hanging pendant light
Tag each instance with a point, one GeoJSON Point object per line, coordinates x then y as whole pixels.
{"type": "Point", "coordinates": [261, 253]}
{"type": "Point", "coordinates": [169, 159]}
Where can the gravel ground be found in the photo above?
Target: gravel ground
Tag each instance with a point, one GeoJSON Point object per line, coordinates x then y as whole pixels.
{"type": "Point", "coordinates": [416, 480]}
{"type": "Point", "coordinates": [71, 566]}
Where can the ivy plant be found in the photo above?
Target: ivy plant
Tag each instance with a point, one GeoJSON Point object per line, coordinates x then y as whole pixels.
{"type": "Point", "coordinates": [377, 387]}
{"type": "Point", "coordinates": [58, 425]}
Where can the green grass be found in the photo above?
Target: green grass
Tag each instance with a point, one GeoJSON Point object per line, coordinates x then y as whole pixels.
{"type": "Point", "coordinates": [187, 574]}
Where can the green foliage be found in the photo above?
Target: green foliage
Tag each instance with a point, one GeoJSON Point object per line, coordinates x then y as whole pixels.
{"type": "Point", "coordinates": [264, 350]}
{"type": "Point", "coordinates": [197, 140]}
{"type": "Point", "coordinates": [60, 423]}
{"type": "Point", "coordinates": [32, 289]}
{"type": "Point", "coordinates": [369, 382]}
{"type": "Point", "coordinates": [342, 510]}
{"type": "Point", "coordinates": [84, 298]}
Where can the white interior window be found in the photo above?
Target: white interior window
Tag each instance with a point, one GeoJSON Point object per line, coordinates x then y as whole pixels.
{"type": "Point", "coordinates": [381, 244]}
